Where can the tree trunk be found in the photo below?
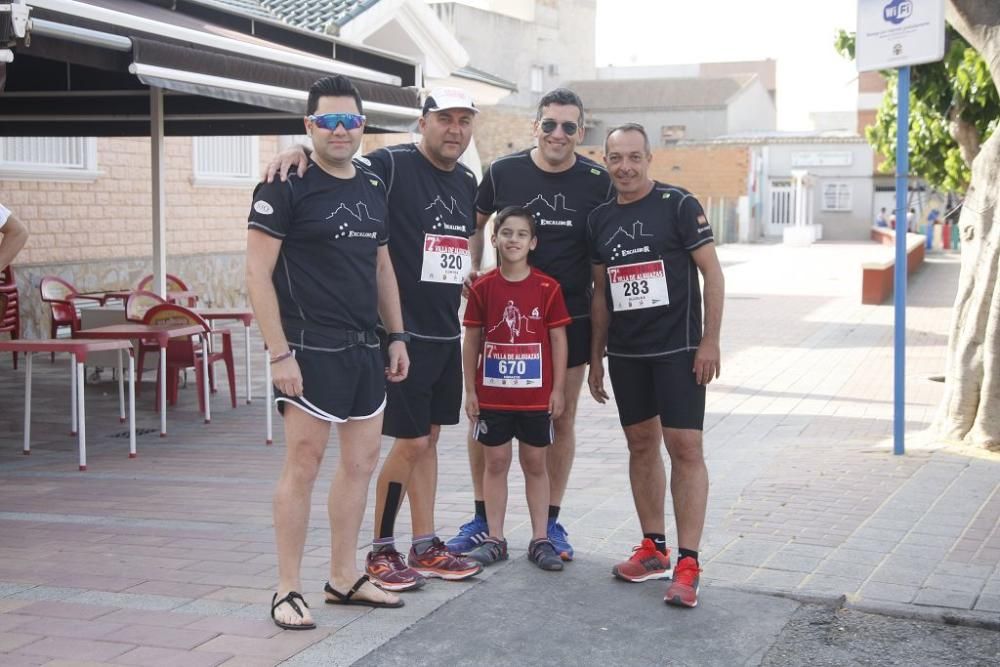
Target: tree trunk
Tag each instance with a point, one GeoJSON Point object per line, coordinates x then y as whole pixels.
{"type": "Point", "coordinates": [970, 410]}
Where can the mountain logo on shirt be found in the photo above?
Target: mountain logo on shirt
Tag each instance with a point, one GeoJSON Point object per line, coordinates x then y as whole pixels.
{"type": "Point", "coordinates": [346, 217]}
{"type": "Point", "coordinates": [554, 219]}
{"type": "Point", "coordinates": [448, 216]}
{"type": "Point", "coordinates": [635, 235]}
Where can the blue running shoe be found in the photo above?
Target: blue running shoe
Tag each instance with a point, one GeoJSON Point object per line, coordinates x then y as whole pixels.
{"type": "Point", "coordinates": [470, 536]}
{"type": "Point", "coordinates": [557, 536]}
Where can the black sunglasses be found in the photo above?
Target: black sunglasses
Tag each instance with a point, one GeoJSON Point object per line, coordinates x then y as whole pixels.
{"type": "Point", "coordinates": [549, 126]}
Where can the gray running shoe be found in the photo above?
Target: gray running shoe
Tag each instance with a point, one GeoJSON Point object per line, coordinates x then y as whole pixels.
{"type": "Point", "coordinates": [490, 551]}
{"type": "Point", "coordinates": [543, 554]}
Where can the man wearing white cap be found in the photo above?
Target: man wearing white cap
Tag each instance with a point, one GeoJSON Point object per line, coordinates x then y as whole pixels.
{"type": "Point", "coordinates": [431, 217]}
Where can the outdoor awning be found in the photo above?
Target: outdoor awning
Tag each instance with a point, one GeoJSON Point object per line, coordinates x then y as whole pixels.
{"type": "Point", "coordinates": [87, 65]}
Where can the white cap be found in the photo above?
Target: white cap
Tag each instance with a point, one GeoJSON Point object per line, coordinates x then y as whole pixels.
{"type": "Point", "coordinates": [440, 99]}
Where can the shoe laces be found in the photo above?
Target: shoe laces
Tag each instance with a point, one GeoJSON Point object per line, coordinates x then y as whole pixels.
{"type": "Point", "coordinates": [687, 571]}
{"type": "Point", "coordinates": [472, 527]}
{"type": "Point", "coordinates": [644, 550]}
{"type": "Point", "coordinates": [394, 559]}
{"type": "Point", "coordinates": [557, 531]}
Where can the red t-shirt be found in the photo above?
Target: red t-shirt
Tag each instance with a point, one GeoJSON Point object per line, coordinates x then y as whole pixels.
{"type": "Point", "coordinates": [515, 361]}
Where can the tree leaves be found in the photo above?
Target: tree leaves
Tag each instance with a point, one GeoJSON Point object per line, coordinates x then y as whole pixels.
{"type": "Point", "coordinates": [954, 106]}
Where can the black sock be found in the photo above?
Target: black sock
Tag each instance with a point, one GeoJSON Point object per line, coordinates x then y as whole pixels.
{"type": "Point", "coordinates": [687, 553]}
{"type": "Point", "coordinates": [659, 540]}
{"type": "Point", "coordinates": [553, 512]}
{"type": "Point", "coordinates": [481, 509]}
{"type": "Point", "coordinates": [393, 499]}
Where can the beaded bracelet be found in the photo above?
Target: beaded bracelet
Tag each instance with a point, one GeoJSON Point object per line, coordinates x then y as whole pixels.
{"type": "Point", "coordinates": [282, 357]}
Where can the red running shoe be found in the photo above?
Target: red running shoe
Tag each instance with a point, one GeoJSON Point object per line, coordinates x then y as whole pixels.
{"type": "Point", "coordinates": [683, 591]}
{"type": "Point", "coordinates": [437, 561]}
{"type": "Point", "coordinates": [392, 572]}
{"type": "Point", "coordinates": [645, 563]}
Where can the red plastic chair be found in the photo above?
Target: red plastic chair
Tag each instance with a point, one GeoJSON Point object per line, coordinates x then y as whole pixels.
{"type": "Point", "coordinates": [136, 307]}
{"type": "Point", "coordinates": [60, 295]}
{"type": "Point", "coordinates": [186, 353]}
{"type": "Point", "coordinates": [174, 284]}
{"type": "Point", "coordinates": [10, 312]}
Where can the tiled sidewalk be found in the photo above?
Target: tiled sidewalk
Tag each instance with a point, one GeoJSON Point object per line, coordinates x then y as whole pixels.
{"type": "Point", "coordinates": [169, 558]}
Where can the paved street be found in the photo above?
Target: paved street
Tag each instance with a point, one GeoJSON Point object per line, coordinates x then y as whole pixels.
{"type": "Point", "coordinates": [169, 558]}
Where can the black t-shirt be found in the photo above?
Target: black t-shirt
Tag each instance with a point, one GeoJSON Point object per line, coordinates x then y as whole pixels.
{"type": "Point", "coordinates": [330, 229]}
{"type": "Point", "coordinates": [430, 219]}
{"type": "Point", "coordinates": [561, 203]}
{"type": "Point", "coordinates": [652, 282]}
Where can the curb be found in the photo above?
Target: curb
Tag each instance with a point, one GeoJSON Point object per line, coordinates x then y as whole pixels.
{"type": "Point", "coordinates": [943, 615]}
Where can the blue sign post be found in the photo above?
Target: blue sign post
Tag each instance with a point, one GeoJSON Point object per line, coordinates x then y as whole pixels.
{"type": "Point", "coordinates": [898, 34]}
{"type": "Point", "coordinates": [899, 279]}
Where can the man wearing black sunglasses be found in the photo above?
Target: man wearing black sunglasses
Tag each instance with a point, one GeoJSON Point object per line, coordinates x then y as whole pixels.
{"type": "Point", "coordinates": [431, 197]}
{"type": "Point", "coordinates": [560, 188]}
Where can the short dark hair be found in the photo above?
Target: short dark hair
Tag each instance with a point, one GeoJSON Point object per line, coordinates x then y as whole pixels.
{"type": "Point", "coordinates": [337, 85]}
{"type": "Point", "coordinates": [629, 127]}
{"type": "Point", "coordinates": [563, 96]}
{"type": "Point", "coordinates": [515, 212]}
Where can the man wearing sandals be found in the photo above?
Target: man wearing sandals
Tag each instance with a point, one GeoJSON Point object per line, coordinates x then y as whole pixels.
{"type": "Point", "coordinates": [319, 275]}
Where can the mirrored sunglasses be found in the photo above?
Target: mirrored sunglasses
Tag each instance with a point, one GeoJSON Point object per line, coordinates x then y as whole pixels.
{"type": "Point", "coordinates": [549, 126]}
{"type": "Point", "coordinates": [330, 121]}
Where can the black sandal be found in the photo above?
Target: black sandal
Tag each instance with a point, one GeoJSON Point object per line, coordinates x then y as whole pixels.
{"type": "Point", "coordinates": [349, 598]}
{"type": "Point", "coordinates": [291, 600]}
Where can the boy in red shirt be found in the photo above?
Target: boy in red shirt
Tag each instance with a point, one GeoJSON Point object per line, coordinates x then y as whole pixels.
{"type": "Point", "coordinates": [514, 359]}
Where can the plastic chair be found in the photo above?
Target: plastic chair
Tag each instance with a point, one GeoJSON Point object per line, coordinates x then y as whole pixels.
{"type": "Point", "coordinates": [174, 284]}
{"type": "Point", "coordinates": [186, 353]}
{"type": "Point", "coordinates": [60, 295]}
{"type": "Point", "coordinates": [10, 312]}
{"type": "Point", "coordinates": [139, 303]}
{"type": "Point", "coordinates": [136, 307]}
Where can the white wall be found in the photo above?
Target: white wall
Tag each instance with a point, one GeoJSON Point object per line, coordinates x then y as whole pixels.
{"type": "Point", "coordinates": [837, 225]}
{"type": "Point", "coordinates": [751, 110]}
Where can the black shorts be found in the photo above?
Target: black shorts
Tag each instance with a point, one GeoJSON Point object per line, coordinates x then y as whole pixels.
{"type": "Point", "coordinates": [498, 427]}
{"type": "Point", "coordinates": [431, 392]}
{"type": "Point", "coordinates": [578, 342]}
{"type": "Point", "coordinates": [649, 386]}
{"type": "Point", "coordinates": [340, 381]}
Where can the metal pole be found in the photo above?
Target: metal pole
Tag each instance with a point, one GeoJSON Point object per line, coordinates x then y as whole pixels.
{"type": "Point", "coordinates": [159, 189]}
{"type": "Point", "coordinates": [899, 279]}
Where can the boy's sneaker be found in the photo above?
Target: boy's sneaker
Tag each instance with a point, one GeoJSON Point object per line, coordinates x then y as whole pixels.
{"type": "Point", "coordinates": [683, 591]}
{"type": "Point", "coordinates": [645, 563]}
{"type": "Point", "coordinates": [557, 536]}
{"type": "Point", "coordinates": [437, 561]}
{"type": "Point", "coordinates": [490, 551]}
{"type": "Point", "coordinates": [543, 554]}
{"type": "Point", "coordinates": [392, 572]}
{"type": "Point", "coordinates": [470, 536]}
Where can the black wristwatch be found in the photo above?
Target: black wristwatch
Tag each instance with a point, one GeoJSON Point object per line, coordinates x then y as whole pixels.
{"type": "Point", "coordinates": [400, 336]}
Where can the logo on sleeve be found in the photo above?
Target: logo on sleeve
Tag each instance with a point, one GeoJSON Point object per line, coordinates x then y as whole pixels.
{"type": "Point", "coordinates": [263, 207]}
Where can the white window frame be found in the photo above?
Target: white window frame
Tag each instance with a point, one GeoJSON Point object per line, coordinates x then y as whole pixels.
{"type": "Point", "coordinates": [247, 175]}
{"type": "Point", "coordinates": [85, 169]}
{"type": "Point", "coordinates": [537, 79]}
{"type": "Point", "coordinates": [843, 196]}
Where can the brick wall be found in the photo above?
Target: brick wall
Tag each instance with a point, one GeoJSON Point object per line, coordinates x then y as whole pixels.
{"type": "Point", "coordinates": [707, 171]}
{"type": "Point", "coordinates": [111, 218]}
{"type": "Point", "coordinates": [501, 131]}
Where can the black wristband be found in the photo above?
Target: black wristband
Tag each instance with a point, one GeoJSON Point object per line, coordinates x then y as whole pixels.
{"type": "Point", "coordinates": [400, 336]}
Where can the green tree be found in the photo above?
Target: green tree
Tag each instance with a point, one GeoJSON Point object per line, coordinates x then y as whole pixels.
{"type": "Point", "coordinates": [954, 113]}
{"type": "Point", "coordinates": [954, 108]}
